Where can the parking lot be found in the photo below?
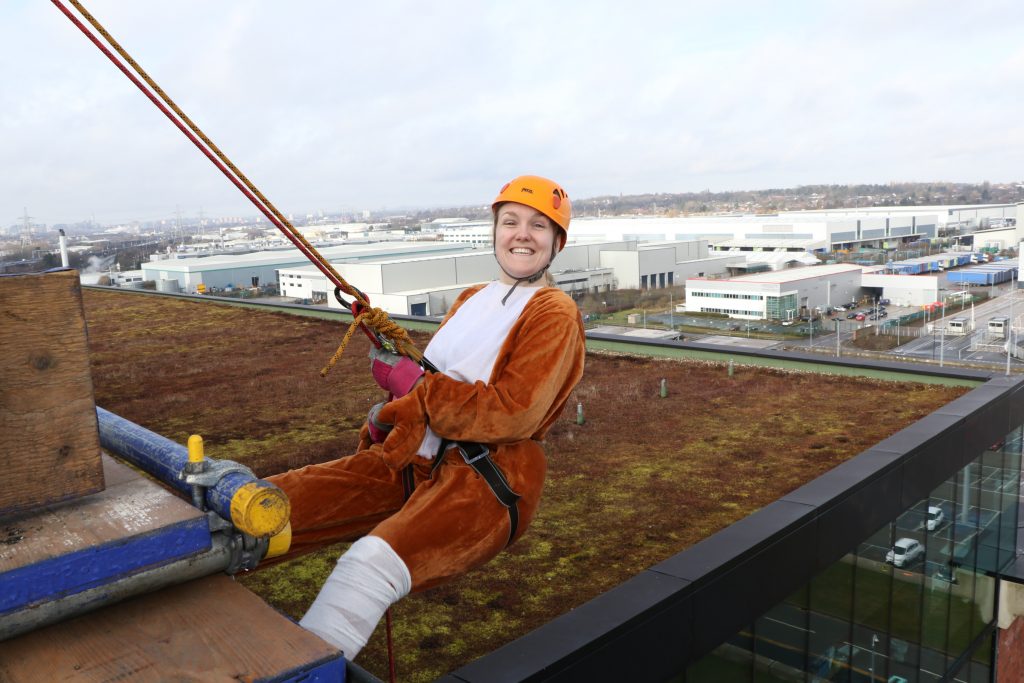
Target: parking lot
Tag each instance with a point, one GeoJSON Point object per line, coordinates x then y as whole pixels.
{"type": "Point", "coordinates": [952, 534]}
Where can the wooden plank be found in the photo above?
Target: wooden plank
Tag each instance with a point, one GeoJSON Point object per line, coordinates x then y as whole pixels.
{"type": "Point", "coordinates": [69, 547]}
{"type": "Point", "coordinates": [211, 629]}
{"type": "Point", "coordinates": [48, 433]}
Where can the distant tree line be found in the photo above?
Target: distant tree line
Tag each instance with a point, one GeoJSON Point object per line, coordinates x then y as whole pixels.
{"type": "Point", "coordinates": [804, 197]}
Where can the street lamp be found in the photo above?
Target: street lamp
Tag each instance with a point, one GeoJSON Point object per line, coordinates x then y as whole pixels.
{"type": "Point", "coordinates": [1009, 332]}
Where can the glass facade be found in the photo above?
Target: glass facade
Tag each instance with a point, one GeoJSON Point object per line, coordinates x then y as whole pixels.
{"type": "Point", "coordinates": [776, 307]}
{"type": "Point", "coordinates": [915, 602]}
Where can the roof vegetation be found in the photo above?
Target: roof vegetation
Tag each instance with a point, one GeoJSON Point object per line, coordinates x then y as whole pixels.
{"type": "Point", "coordinates": [642, 478]}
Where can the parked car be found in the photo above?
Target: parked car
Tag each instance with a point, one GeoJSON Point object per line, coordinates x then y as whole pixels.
{"type": "Point", "coordinates": [935, 518]}
{"type": "Point", "coordinates": [884, 302]}
{"type": "Point", "coordinates": [859, 317]}
{"type": "Point", "coordinates": [904, 552]}
{"type": "Point", "coordinates": [947, 573]}
{"type": "Point", "coordinates": [851, 316]}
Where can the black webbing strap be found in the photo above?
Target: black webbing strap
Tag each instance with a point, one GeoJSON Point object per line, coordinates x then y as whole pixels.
{"type": "Point", "coordinates": [478, 457]}
{"type": "Point", "coordinates": [408, 481]}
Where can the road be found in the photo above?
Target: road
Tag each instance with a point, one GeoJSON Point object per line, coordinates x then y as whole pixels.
{"type": "Point", "coordinates": [977, 347]}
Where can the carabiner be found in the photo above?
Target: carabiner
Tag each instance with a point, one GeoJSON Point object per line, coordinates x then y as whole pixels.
{"type": "Point", "coordinates": [356, 308]}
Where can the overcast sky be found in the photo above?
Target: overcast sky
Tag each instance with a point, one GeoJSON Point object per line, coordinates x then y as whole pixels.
{"type": "Point", "coordinates": [333, 105]}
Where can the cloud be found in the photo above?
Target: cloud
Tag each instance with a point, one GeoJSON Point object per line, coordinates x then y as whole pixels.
{"type": "Point", "coordinates": [399, 104]}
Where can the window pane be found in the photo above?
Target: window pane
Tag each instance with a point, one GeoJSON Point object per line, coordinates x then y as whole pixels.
{"type": "Point", "coordinates": [1009, 488]}
{"type": "Point", "coordinates": [981, 663]}
{"type": "Point", "coordinates": [872, 587]}
{"type": "Point", "coordinates": [938, 573]}
{"type": "Point", "coordinates": [831, 596]}
{"type": "Point", "coordinates": [781, 640]}
{"type": "Point", "coordinates": [730, 661]}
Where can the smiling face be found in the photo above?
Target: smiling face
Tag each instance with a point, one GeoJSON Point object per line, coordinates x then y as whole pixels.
{"type": "Point", "coordinates": [524, 241]}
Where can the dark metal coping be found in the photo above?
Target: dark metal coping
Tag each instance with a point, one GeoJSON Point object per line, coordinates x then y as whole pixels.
{"type": "Point", "coordinates": [304, 308]}
{"type": "Point", "coordinates": [655, 624]}
{"type": "Point", "coordinates": [860, 363]}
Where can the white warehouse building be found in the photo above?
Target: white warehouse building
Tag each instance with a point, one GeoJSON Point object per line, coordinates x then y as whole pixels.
{"type": "Point", "coordinates": [428, 285]}
{"type": "Point", "coordinates": [821, 232]}
{"type": "Point", "coordinates": [778, 295]}
{"type": "Point", "coordinates": [259, 268]}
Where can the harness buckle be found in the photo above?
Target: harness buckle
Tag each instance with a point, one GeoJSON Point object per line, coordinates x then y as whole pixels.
{"type": "Point", "coordinates": [470, 459]}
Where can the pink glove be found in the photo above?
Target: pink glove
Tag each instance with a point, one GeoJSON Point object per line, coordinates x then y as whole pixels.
{"type": "Point", "coordinates": [378, 430]}
{"type": "Point", "coordinates": [393, 373]}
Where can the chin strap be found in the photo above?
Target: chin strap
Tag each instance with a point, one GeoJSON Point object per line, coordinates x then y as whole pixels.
{"type": "Point", "coordinates": [528, 280]}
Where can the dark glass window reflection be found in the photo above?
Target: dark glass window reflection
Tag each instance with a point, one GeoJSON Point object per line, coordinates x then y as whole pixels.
{"type": "Point", "coordinates": [906, 605]}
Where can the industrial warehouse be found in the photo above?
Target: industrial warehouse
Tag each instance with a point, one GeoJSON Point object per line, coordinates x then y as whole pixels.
{"type": "Point", "coordinates": [424, 278]}
{"type": "Point", "coordinates": [790, 293]}
{"type": "Point", "coordinates": [721, 257]}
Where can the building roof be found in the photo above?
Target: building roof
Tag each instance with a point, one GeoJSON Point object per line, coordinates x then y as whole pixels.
{"type": "Point", "coordinates": [347, 252]}
{"type": "Point", "coordinates": [768, 244]}
{"type": "Point", "coordinates": [793, 274]}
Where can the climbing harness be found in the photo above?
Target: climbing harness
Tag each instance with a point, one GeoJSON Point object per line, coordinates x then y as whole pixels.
{"type": "Point", "coordinates": [373, 321]}
{"type": "Point", "coordinates": [478, 457]}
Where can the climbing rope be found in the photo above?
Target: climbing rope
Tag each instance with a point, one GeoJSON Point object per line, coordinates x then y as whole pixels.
{"type": "Point", "coordinates": [368, 317]}
{"type": "Point", "coordinates": [373, 317]}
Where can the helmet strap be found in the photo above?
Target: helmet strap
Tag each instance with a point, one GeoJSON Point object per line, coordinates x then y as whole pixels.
{"type": "Point", "coordinates": [528, 280]}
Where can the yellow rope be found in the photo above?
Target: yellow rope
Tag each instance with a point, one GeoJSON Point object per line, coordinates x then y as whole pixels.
{"type": "Point", "coordinates": [378, 320]}
{"type": "Point", "coordinates": [373, 317]}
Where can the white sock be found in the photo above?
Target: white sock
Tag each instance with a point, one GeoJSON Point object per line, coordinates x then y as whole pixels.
{"type": "Point", "coordinates": [368, 579]}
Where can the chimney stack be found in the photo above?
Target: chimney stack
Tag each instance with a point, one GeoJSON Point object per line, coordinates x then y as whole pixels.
{"type": "Point", "coordinates": [63, 249]}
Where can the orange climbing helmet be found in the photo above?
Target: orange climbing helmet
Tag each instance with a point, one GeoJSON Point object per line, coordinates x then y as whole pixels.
{"type": "Point", "coordinates": [541, 194]}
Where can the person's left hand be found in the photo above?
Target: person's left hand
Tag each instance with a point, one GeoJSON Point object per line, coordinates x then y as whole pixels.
{"type": "Point", "coordinates": [408, 415]}
{"type": "Point", "coordinates": [378, 430]}
{"type": "Point", "coordinates": [392, 372]}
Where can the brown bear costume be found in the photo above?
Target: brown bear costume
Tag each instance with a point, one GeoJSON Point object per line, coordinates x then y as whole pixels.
{"type": "Point", "coordinates": [422, 514]}
{"type": "Point", "coordinates": [452, 521]}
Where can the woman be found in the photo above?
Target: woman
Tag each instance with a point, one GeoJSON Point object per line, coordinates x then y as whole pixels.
{"type": "Point", "coordinates": [449, 471]}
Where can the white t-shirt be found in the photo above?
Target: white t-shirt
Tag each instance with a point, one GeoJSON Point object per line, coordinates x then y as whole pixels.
{"type": "Point", "coordinates": [467, 346]}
